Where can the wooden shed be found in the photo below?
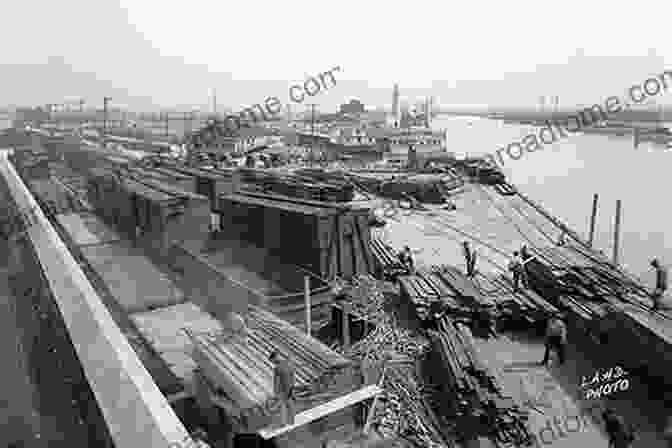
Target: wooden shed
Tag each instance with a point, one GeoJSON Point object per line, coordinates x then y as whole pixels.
{"type": "Point", "coordinates": [318, 236]}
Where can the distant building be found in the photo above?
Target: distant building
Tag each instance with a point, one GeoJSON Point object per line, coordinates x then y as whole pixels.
{"type": "Point", "coordinates": [353, 107]}
{"type": "Point", "coordinates": [422, 142]}
{"type": "Point", "coordinates": [216, 139]}
{"type": "Point", "coordinates": [25, 115]}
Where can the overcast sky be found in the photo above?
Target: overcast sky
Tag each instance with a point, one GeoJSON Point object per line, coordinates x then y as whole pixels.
{"type": "Point", "coordinates": [156, 53]}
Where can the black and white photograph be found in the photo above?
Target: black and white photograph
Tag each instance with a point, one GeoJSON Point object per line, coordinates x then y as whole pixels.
{"type": "Point", "coordinates": [290, 224]}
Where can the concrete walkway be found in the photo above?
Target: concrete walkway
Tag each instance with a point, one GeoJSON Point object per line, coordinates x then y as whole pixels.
{"type": "Point", "coordinates": [559, 412]}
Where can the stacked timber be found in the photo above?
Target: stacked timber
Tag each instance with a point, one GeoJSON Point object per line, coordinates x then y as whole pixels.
{"type": "Point", "coordinates": [524, 306]}
{"type": "Point", "coordinates": [152, 213]}
{"type": "Point", "coordinates": [299, 186]}
{"type": "Point", "coordinates": [386, 261]}
{"type": "Point", "coordinates": [469, 392]}
{"type": "Point", "coordinates": [243, 373]}
{"type": "Point", "coordinates": [463, 287]}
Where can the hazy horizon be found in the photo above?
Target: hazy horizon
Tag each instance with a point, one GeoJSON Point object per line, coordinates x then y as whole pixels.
{"type": "Point", "coordinates": [147, 58]}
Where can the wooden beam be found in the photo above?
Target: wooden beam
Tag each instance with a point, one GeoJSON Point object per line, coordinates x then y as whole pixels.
{"type": "Point", "coordinates": [323, 410]}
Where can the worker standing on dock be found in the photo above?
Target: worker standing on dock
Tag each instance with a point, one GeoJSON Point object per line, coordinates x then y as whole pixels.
{"type": "Point", "coordinates": [283, 386]}
{"type": "Point", "coordinates": [406, 259]}
{"type": "Point", "coordinates": [556, 338]}
{"type": "Point", "coordinates": [661, 284]}
{"type": "Point", "coordinates": [470, 259]}
{"type": "Point", "coordinates": [620, 436]}
{"type": "Point", "coordinates": [517, 270]}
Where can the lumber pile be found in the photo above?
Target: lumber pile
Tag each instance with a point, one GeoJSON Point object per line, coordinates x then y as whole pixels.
{"type": "Point", "coordinates": [386, 261]}
{"type": "Point", "coordinates": [524, 306]}
{"type": "Point", "coordinates": [305, 185]}
{"type": "Point", "coordinates": [469, 392]}
{"type": "Point", "coordinates": [241, 369]}
{"type": "Point", "coordinates": [387, 339]}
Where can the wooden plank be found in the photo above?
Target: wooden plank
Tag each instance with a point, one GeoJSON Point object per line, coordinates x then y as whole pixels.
{"type": "Point", "coordinates": [323, 410]}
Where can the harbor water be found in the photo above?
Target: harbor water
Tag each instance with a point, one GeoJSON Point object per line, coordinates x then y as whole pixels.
{"type": "Point", "coordinates": [563, 177]}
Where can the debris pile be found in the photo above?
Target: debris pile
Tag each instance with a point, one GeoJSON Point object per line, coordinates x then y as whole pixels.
{"type": "Point", "coordinates": [404, 412]}
{"type": "Point", "coordinates": [367, 297]}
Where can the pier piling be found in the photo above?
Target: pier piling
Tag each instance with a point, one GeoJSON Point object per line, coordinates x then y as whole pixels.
{"type": "Point", "coordinates": [593, 215]}
{"type": "Point", "coordinates": [617, 230]}
{"type": "Point", "coordinates": [306, 292]}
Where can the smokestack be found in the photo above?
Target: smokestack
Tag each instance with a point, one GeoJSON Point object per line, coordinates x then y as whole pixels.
{"type": "Point", "coordinates": [396, 107]}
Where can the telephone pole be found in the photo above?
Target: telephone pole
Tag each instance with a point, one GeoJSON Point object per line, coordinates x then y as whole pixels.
{"type": "Point", "coordinates": [312, 129]}
{"type": "Point", "coordinates": [106, 100]}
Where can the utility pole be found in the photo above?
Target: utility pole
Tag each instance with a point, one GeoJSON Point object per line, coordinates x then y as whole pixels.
{"type": "Point", "coordinates": [106, 100]}
{"type": "Point", "coordinates": [165, 116]}
{"type": "Point", "coordinates": [214, 102]}
{"type": "Point", "coordinates": [312, 129]}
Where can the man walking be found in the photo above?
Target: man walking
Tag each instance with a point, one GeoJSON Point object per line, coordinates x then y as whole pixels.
{"type": "Point", "coordinates": [283, 386]}
{"type": "Point", "coordinates": [556, 338]}
{"type": "Point", "coordinates": [619, 435]}
{"type": "Point", "coordinates": [661, 284]}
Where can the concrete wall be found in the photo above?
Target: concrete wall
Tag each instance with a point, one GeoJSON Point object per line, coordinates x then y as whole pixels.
{"type": "Point", "coordinates": [136, 412]}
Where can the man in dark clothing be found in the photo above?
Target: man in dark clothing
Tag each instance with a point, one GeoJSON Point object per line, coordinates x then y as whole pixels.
{"type": "Point", "coordinates": [661, 284]}
{"type": "Point", "coordinates": [283, 386]}
{"type": "Point", "coordinates": [516, 268]}
{"type": "Point", "coordinates": [470, 259]}
{"type": "Point", "coordinates": [406, 259]}
{"type": "Point", "coordinates": [556, 338]}
{"type": "Point", "coordinates": [619, 435]}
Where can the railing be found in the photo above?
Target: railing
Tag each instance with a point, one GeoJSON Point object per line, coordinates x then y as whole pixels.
{"type": "Point", "coordinates": [135, 410]}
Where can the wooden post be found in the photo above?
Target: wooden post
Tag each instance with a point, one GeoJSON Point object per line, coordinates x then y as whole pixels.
{"type": "Point", "coordinates": [345, 316]}
{"type": "Point", "coordinates": [306, 292]}
{"type": "Point", "coordinates": [593, 215]}
{"type": "Point", "coordinates": [636, 137]}
{"type": "Point", "coordinates": [617, 230]}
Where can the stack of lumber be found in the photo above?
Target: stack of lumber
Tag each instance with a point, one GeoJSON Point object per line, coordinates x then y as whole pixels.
{"type": "Point", "coordinates": [470, 391]}
{"type": "Point", "coordinates": [465, 289]}
{"type": "Point", "coordinates": [427, 293]}
{"type": "Point", "coordinates": [387, 263]}
{"type": "Point", "coordinates": [525, 305]}
{"type": "Point", "coordinates": [300, 186]}
{"type": "Point", "coordinates": [242, 370]}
